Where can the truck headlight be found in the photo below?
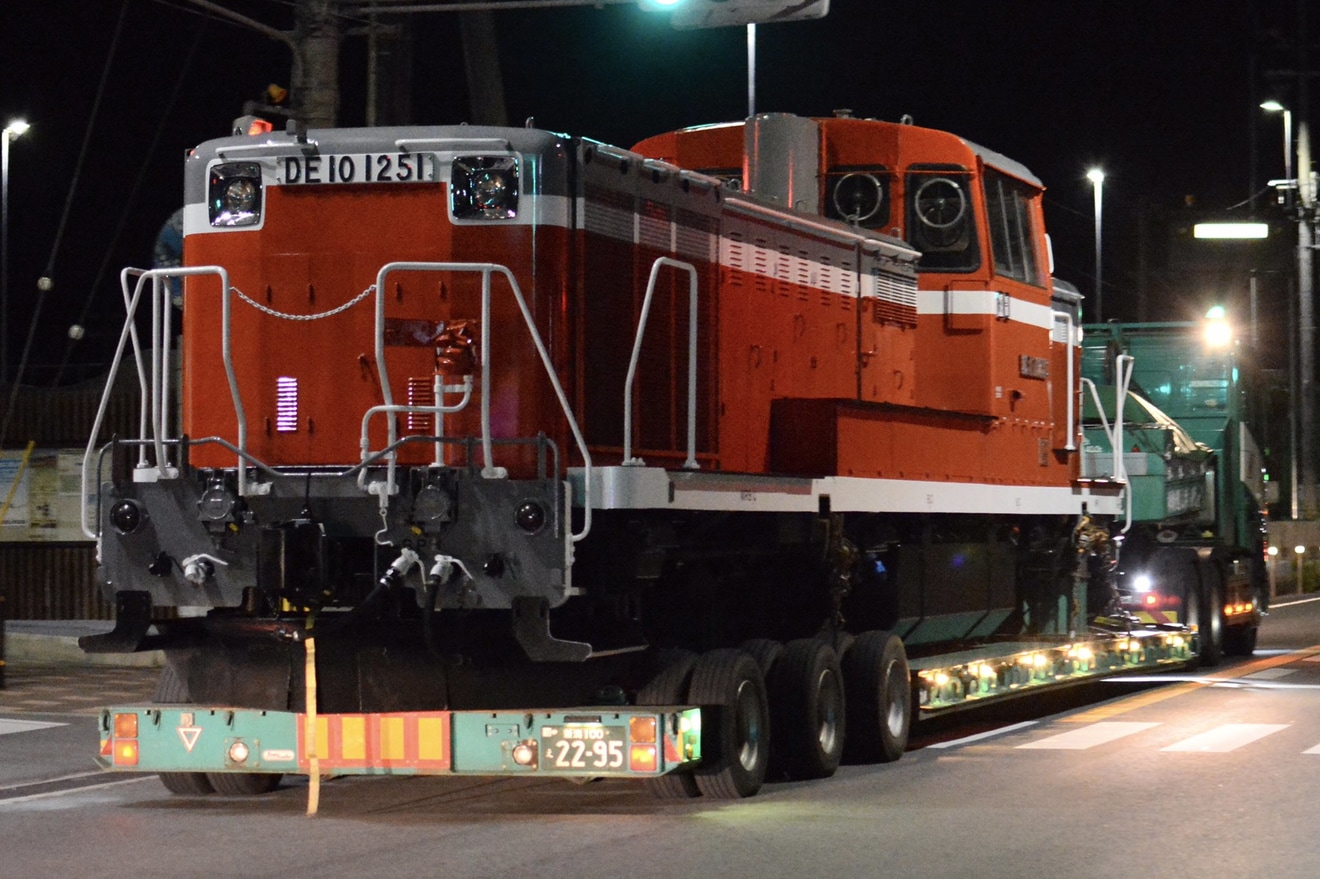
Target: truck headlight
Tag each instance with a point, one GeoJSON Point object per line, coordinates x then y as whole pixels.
{"type": "Point", "coordinates": [234, 194]}
{"type": "Point", "coordinates": [484, 187]}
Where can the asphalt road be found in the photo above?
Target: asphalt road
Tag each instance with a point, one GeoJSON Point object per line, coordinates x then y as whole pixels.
{"type": "Point", "coordinates": [1208, 775]}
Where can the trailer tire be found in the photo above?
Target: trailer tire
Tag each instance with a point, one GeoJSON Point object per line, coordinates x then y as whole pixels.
{"type": "Point", "coordinates": [807, 710]}
{"type": "Point", "coordinates": [171, 689]}
{"type": "Point", "coordinates": [765, 653]}
{"type": "Point", "coordinates": [1240, 640]}
{"type": "Point", "coordinates": [1210, 615]}
{"type": "Point", "coordinates": [879, 687]}
{"type": "Point", "coordinates": [735, 739]}
{"type": "Point", "coordinates": [244, 784]}
{"type": "Point", "coordinates": [669, 686]}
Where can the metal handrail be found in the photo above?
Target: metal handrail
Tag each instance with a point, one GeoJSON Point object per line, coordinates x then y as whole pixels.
{"type": "Point", "coordinates": [486, 270]}
{"type": "Point", "coordinates": [153, 384]}
{"type": "Point", "coordinates": [691, 462]}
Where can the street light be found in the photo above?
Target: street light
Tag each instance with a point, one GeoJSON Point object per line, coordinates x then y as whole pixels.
{"type": "Point", "coordinates": [1303, 375]}
{"type": "Point", "coordinates": [14, 129]}
{"type": "Point", "coordinates": [1097, 178]}
{"type": "Point", "coordinates": [1276, 107]}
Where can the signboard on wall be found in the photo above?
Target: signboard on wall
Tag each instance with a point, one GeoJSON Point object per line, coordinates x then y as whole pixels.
{"type": "Point", "coordinates": [42, 494]}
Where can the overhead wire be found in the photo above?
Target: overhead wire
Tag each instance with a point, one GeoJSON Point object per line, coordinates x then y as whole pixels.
{"type": "Point", "coordinates": [44, 287]}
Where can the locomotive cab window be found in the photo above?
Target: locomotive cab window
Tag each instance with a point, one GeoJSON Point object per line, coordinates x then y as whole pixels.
{"type": "Point", "coordinates": [940, 218]}
{"type": "Point", "coordinates": [1012, 235]}
{"type": "Point", "coordinates": [858, 195]}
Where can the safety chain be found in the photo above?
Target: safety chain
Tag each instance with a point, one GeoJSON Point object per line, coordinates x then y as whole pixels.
{"type": "Point", "coordinates": [331, 313]}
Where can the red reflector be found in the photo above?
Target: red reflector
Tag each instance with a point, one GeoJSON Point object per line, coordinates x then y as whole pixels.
{"type": "Point", "coordinates": [107, 747]}
{"type": "Point", "coordinates": [641, 758]}
{"type": "Point", "coordinates": [126, 753]}
{"type": "Point", "coordinates": [642, 729]}
{"type": "Point", "coordinates": [126, 726]}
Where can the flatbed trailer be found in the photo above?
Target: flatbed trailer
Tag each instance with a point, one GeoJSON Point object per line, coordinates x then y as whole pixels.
{"type": "Point", "coordinates": [547, 444]}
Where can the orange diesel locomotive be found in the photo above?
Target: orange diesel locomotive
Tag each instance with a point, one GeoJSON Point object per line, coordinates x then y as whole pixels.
{"type": "Point", "coordinates": [775, 419]}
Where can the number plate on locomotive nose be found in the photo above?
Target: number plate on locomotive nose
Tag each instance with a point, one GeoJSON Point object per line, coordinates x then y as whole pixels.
{"type": "Point", "coordinates": [359, 168]}
{"type": "Point", "coordinates": [584, 746]}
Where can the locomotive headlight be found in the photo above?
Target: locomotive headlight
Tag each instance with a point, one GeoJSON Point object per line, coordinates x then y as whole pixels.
{"type": "Point", "coordinates": [484, 187]}
{"type": "Point", "coordinates": [234, 194]}
{"type": "Point", "coordinates": [530, 516]}
{"type": "Point", "coordinates": [127, 516]}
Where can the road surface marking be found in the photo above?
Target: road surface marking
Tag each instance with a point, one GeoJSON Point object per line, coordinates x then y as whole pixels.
{"type": "Point", "coordinates": [1122, 706]}
{"type": "Point", "coordinates": [967, 740]}
{"type": "Point", "coordinates": [1315, 750]}
{"type": "Point", "coordinates": [1088, 736]}
{"type": "Point", "coordinates": [18, 726]}
{"type": "Point", "coordinates": [1269, 674]}
{"type": "Point", "coordinates": [1228, 737]}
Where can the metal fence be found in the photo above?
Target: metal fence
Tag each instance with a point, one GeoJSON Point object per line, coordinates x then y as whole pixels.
{"type": "Point", "coordinates": [51, 581]}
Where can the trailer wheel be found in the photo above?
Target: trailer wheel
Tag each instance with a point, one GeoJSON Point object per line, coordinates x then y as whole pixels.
{"type": "Point", "coordinates": [669, 687]}
{"type": "Point", "coordinates": [173, 690]}
{"type": "Point", "coordinates": [807, 711]}
{"type": "Point", "coordinates": [244, 784]}
{"type": "Point", "coordinates": [1210, 615]}
{"type": "Point", "coordinates": [735, 723]}
{"type": "Point", "coordinates": [879, 687]}
{"type": "Point", "coordinates": [765, 653]}
{"type": "Point", "coordinates": [1240, 640]}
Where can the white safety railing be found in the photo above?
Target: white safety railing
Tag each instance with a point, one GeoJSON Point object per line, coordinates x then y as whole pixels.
{"type": "Point", "coordinates": [691, 462]}
{"type": "Point", "coordinates": [1123, 375]}
{"type": "Point", "coordinates": [154, 379]}
{"type": "Point", "coordinates": [489, 470]}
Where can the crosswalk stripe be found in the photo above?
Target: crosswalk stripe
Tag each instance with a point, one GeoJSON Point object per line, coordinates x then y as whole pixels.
{"type": "Point", "coordinates": [1226, 738]}
{"type": "Point", "coordinates": [18, 726]}
{"type": "Point", "coordinates": [1269, 674]}
{"type": "Point", "coordinates": [1088, 736]}
{"type": "Point", "coordinates": [1315, 750]}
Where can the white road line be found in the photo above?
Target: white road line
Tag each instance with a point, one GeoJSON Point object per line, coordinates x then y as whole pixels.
{"type": "Point", "coordinates": [1315, 750]}
{"type": "Point", "coordinates": [1088, 736]}
{"type": "Point", "coordinates": [1269, 674]}
{"type": "Point", "coordinates": [18, 726]}
{"type": "Point", "coordinates": [967, 740]}
{"type": "Point", "coordinates": [1227, 738]}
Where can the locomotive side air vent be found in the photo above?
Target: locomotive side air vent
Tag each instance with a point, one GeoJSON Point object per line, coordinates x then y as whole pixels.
{"type": "Point", "coordinates": [286, 404]}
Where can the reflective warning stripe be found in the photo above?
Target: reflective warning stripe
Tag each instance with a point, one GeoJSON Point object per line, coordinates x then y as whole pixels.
{"type": "Point", "coordinates": [1158, 617]}
{"type": "Point", "coordinates": [415, 740]}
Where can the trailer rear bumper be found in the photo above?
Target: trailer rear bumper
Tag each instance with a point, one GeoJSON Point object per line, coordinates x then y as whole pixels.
{"type": "Point", "coordinates": [597, 742]}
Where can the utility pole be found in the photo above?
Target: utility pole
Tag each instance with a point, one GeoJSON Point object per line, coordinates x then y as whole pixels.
{"type": "Point", "coordinates": [318, 35]}
{"type": "Point", "coordinates": [1305, 270]}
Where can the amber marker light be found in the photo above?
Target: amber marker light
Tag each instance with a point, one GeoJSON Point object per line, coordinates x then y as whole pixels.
{"type": "Point", "coordinates": [642, 729]}
{"type": "Point", "coordinates": [126, 753]}
{"type": "Point", "coordinates": [126, 726]}
{"type": "Point", "coordinates": [642, 758]}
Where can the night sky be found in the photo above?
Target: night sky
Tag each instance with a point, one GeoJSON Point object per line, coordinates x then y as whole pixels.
{"type": "Point", "coordinates": [1162, 94]}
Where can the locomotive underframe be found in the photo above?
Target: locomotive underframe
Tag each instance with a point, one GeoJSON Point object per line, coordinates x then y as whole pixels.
{"type": "Point", "coordinates": [496, 622]}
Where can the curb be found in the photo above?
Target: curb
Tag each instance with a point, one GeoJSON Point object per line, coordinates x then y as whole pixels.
{"type": "Point", "coordinates": [56, 643]}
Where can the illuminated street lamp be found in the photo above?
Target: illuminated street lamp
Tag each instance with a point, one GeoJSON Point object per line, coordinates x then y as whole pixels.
{"type": "Point", "coordinates": [1097, 178]}
{"type": "Point", "coordinates": [1303, 375]}
{"type": "Point", "coordinates": [14, 129]}
{"type": "Point", "coordinates": [1276, 107]}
